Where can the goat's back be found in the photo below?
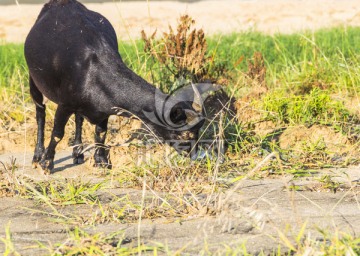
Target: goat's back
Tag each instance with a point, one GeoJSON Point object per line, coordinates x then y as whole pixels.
{"type": "Point", "coordinates": [64, 45]}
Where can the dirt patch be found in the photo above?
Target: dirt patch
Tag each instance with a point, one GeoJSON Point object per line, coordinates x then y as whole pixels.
{"type": "Point", "coordinates": [298, 137]}
{"type": "Point", "coordinates": [255, 213]}
{"type": "Point", "coordinates": [264, 128]}
{"type": "Point", "coordinates": [353, 104]}
{"type": "Point", "coordinates": [212, 16]}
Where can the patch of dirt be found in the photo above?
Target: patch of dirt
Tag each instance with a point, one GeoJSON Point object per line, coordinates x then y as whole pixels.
{"type": "Point", "coordinates": [122, 129]}
{"type": "Point", "coordinates": [212, 16]}
{"type": "Point", "coordinates": [353, 104]}
{"type": "Point", "coordinates": [264, 128]}
{"type": "Point", "coordinates": [252, 214]}
{"type": "Point", "coordinates": [2, 33]}
{"type": "Point", "coordinates": [297, 137]}
{"type": "Point", "coordinates": [245, 110]}
{"type": "Point", "coordinates": [5, 189]}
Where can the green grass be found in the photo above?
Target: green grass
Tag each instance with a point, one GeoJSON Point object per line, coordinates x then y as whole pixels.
{"type": "Point", "coordinates": [12, 65]}
{"type": "Point", "coordinates": [311, 80]}
{"type": "Point", "coordinates": [315, 107]}
{"type": "Point", "coordinates": [336, 49]}
{"type": "Point", "coordinates": [295, 63]}
{"type": "Point", "coordinates": [284, 51]}
{"type": "Point", "coordinates": [329, 55]}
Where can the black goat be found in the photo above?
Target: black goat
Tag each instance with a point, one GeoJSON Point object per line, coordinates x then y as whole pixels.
{"type": "Point", "coordinates": [73, 59]}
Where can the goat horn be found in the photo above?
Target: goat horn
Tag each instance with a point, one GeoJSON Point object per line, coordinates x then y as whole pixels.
{"type": "Point", "coordinates": [197, 103]}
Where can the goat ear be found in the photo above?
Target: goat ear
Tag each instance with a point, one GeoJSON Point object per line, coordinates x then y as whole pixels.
{"type": "Point", "coordinates": [177, 115]}
{"type": "Point", "coordinates": [197, 103]}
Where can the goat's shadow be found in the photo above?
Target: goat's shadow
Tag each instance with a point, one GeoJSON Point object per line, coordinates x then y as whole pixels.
{"type": "Point", "coordinates": [140, 134]}
{"type": "Point", "coordinates": [63, 167]}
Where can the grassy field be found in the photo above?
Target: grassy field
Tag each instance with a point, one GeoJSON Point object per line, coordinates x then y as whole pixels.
{"type": "Point", "coordinates": [294, 98]}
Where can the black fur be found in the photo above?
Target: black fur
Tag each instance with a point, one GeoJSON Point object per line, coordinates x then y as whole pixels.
{"type": "Point", "coordinates": [73, 60]}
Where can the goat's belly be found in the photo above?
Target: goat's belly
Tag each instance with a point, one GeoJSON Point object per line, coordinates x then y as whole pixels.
{"type": "Point", "coordinates": [47, 89]}
{"type": "Point", "coordinates": [57, 92]}
{"type": "Point", "coordinates": [94, 117]}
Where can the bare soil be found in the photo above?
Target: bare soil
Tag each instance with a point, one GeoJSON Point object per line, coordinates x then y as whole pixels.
{"type": "Point", "coordinates": [253, 214]}
{"type": "Point", "coordinates": [298, 136]}
{"type": "Point", "coordinates": [129, 18]}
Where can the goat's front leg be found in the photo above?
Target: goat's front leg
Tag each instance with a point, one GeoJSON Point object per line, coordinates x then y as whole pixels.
{"type": "Point", "coordinates": [61, 117]}
{"type": "Point", "coordinates": [101, 152]}
{"type": "Point", "coordinates": [78, 156]}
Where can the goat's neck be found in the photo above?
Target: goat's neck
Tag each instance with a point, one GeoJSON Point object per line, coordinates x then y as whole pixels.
{"type": "Point", "coordinates": [135, 95]}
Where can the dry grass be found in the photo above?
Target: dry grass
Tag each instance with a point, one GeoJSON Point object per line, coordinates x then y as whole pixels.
{"type": "Point", "coordinates": [287, 122]}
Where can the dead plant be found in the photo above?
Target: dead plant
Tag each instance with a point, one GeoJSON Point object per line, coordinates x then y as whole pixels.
{"type": "Point", "coordinates": [183, 53]}
{"type": "Point", "coordinates": [257, 70]}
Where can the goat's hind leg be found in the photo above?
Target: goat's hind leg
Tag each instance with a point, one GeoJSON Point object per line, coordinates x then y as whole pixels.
{"type": "Point", "coordinates": [38, 99]}
{"type": "Point", "coordinates": [61, 117]}
{"type": "Point", "coordinates": [78, 155]}
{"type": "Point", "coordinates": [101, 155]}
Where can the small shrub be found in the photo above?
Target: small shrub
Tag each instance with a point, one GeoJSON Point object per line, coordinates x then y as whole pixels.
{"type": "Point", "coordinates": [257, 69]}
{"type": "Point", "coordinates": [182, 56]}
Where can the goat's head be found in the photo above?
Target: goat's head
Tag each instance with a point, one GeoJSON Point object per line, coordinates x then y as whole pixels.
{"type": "Point", "coordinates": [182, 129]}
{"type": "Point", "coordinates": [178, 117]}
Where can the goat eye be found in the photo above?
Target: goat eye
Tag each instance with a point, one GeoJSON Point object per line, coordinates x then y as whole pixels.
{"type": "Point", "coordinates": [177, 115]}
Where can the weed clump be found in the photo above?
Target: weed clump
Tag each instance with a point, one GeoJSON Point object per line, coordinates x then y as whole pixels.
{"type": "Point", "coordinates": [257, 69]}
{"type": "Point", "coordinates": [9, 184]}
{"type": "Point", "coordinates": [253, 80]}
{"type": "Point", "coordinates": [182, 55]}
{"type": "Point", "coordinates": [83, 243]}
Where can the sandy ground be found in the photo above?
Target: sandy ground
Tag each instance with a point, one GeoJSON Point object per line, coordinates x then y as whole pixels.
{"type": "Point", "coordinates": [255, 214]}
{"type": "Point", "coordinates": [269, 16]}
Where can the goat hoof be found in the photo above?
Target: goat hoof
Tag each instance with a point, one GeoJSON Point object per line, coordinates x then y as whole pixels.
{"type": "Point", "coordinates": [102, 162]}
{"type": "Point", "coordinates": [103, 165]}
{"type": "Point", "coordinates": [34, 164]}
{"type": "Point", "coordinates": [35, 161]}
{"type": "Point", "coordinates": [47, 166]}
{"type": "Point", "coordinates": [78, 159]}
